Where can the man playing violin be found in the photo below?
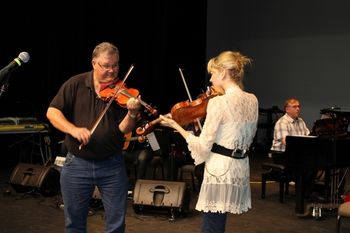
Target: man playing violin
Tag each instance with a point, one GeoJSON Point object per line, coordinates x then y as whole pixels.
{"type": "Point", "coordinates": [94, 157]}
{"type": "Point", "coordinates": [228, 131]}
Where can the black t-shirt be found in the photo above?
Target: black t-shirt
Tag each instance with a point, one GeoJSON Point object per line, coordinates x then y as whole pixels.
{"type": "Point", "coordinates": [81, 105]}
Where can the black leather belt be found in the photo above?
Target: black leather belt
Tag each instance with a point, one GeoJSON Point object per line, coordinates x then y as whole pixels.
{"type": "Point", "coordinates": [236, 153]}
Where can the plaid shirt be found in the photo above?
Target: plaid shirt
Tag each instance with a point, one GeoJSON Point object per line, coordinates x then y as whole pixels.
{"type": "Point", "coordinates": [287, 126]}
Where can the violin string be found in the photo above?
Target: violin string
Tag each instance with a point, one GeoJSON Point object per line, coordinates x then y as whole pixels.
{"type": "Point", "coordinates": [127, 94]}
{"type": "Point", "coordinates": [147, 106]}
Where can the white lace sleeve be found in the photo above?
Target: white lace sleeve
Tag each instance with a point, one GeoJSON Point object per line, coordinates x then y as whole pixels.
{"type": "Point", "coordinates": [201, 145]}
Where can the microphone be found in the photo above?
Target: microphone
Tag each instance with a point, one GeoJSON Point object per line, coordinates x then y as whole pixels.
{"type": "Point", "coordinates": [23, 57]}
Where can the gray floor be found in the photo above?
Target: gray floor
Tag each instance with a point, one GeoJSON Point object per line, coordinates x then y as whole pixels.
{"type": "Point", "coordinates": [34, 213]}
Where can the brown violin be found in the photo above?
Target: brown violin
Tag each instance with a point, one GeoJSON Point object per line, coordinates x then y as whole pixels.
{"type": "Point", "coordinates": [185, 112]}
{"type": "Point", "coordinates": [123, 94]}
{"type": "Point", "coordinates": [128, 138]}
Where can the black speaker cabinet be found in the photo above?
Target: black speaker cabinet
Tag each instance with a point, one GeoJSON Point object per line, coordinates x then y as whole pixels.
{"type": "Point", "coordinates": [159, 195]}
{"type": "Point", "coordinates": [27, 177]}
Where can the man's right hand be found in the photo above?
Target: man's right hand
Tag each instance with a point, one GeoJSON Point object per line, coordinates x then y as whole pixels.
{"type": "Point", "coordinates": [83, 135]}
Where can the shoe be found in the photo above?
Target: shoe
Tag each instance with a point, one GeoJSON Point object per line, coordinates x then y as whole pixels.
{"type": "Point", "coordinates": [130, 194]}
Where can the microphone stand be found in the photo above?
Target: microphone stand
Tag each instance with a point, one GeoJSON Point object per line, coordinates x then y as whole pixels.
{"type": "Point", "coordinates": [4, 85]}
{"type": "Point", "coordinates": [3, 89]}
{"type": "Point", "coordinates": [172, 155]}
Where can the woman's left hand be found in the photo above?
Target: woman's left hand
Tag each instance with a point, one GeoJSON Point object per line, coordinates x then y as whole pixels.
{"type": "Point", "coordinates": [167, 121]}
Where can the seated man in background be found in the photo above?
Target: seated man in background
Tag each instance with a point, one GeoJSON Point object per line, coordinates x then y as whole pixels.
{"type": "Point", "coordinates": [137, 152]}
{"type": "Point", "coordinates": [289, 124]}
{"type": "Point", "coordinates": [180, 155]}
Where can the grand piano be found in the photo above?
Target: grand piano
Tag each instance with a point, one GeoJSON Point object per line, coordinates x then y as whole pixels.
{"type": "Point", "coordinates": [327, 148]}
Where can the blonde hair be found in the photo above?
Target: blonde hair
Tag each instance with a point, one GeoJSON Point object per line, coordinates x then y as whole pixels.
{"type": "Point", "coordinates": [232, 61]}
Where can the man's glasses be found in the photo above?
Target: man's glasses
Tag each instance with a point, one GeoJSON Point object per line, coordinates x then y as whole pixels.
{"type": "Point", "coordinates": [107, 67]}
{"type": "Point", "coordinates": [293, 106]}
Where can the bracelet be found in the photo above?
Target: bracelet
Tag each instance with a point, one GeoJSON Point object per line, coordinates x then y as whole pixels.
{"type": "Point", "coordinates": [132, 116]}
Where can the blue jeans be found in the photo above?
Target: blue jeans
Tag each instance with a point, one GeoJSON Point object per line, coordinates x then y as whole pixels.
{"type": "Point", "coordinates": [213, 222]}
{"type": "Point", "coordinates": [78, 180]}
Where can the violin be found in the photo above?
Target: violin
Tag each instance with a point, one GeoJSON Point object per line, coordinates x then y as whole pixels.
{"type": "Point", "coordinates": [185, 112]}
{"type": "Point", "coordinates": [123, 94]}
{"type": "Point", "coordinates": [128, 138]}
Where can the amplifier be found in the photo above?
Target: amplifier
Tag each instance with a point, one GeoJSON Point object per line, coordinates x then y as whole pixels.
{"type": "Point", "coordinates": [27, 177]}
{"type": "Point", "coordinates": [159, 195]}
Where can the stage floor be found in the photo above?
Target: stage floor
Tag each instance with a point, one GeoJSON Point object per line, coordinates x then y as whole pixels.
{"type": "Point", "coordinates": [35, 213]}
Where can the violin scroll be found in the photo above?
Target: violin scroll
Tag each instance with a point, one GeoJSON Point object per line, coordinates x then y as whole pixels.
{"type": "Point", "coordinates": [148, 127]}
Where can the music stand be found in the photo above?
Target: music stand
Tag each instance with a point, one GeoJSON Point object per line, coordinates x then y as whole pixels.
{"type": "Point", "coordinates": [162, 137]}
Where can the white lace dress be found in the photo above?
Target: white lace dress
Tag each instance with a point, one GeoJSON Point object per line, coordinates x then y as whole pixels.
{"type": "Point", "coordinates": [231, 121]}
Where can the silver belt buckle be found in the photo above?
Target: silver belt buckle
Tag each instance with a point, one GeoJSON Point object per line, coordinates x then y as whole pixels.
{"type": "Point", "coordinates": [233, 153]}
{"type": "Point", "coordinates": [238, 154]}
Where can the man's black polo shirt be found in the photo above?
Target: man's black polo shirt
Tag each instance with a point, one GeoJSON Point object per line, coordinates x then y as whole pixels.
{"type": "Point", "coordinates": [81, 105]}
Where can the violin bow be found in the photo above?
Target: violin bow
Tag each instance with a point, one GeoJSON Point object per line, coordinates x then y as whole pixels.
{"type": "Point", "coordinates": [109, 103]}
{"type": "Point", "coordinates": [189, 95]}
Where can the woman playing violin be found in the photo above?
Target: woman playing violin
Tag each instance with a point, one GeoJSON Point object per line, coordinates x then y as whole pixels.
{"type": "Point", "coordinates": [100, 162]}
{"type": "Point", "coordinates": [228, 131]}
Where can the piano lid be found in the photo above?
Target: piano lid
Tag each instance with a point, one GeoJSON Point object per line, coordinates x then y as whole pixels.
{"type": "Point", "coordinates": [335, 112]}
{"type": "Point", "coordinates": [334, 122]}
